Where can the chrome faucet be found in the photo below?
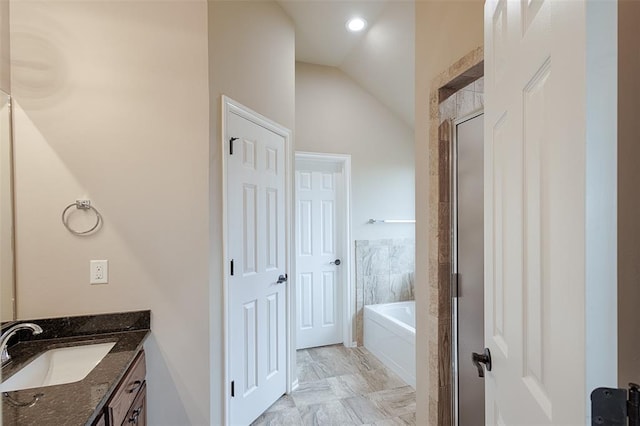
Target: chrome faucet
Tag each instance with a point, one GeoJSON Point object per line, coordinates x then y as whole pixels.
{"type": "Point", "coordinates": [11, 331]}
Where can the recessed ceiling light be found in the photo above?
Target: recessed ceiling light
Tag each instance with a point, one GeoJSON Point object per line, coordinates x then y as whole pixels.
{"type": "Point", "coordinates": [356, 24]}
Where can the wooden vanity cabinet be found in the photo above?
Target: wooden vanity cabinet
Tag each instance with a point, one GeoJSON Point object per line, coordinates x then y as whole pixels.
{"type": "Point", "coordinates": [127, 404]}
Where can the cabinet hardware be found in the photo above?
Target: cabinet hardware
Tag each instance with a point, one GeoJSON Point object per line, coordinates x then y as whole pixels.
{"type": "Point", "coordinates": [135, 387]}
{"type": "Point", "coordinates": [134, 415]}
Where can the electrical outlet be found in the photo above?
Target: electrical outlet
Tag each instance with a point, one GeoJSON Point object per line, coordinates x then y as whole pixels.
{"type": "Point", "coordinates": [99, 272]}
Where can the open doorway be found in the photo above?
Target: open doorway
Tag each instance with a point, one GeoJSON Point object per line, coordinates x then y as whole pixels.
{"type": "Point", "coordinates": [352, 100]}
{"type": "Point", "coordinates": [323, 256]}
{"type": "Point", "coordinates": [335, 115]}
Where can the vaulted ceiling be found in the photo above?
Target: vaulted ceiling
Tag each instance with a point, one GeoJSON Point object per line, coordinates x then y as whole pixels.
{"type": "Point", "coordinates": [380, 59]}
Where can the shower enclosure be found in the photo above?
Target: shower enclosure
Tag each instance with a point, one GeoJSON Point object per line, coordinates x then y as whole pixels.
{"type": "Point", "coordinates": [467, 268]}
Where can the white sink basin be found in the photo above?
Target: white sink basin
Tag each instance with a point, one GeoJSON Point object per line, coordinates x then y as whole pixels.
{"type": "Point", "coordinates": [57, 367]}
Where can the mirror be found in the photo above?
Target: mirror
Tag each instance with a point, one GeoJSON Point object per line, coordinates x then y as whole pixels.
{"type": "Point", "coordinates": [7, 265]}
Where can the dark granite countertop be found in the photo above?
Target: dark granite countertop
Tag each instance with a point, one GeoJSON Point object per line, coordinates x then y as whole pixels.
{"type": "Point", "coordinates": [77, 403]}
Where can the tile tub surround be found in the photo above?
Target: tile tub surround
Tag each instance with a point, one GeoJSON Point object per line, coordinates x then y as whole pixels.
{"type": "Point", "coordinates": [74, 403]}
{"type": "Point", "coordinates": [343, 386]}
{"type": "Point", "coordinates": [384, 274]}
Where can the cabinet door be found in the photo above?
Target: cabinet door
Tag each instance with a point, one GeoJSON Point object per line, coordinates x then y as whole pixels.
{"type": "Point", "coordinates": [137, 415]}
{"type": "Point", "coordinates": [102, 420]}
{"type": "Point", "coordinates": [127, 390]}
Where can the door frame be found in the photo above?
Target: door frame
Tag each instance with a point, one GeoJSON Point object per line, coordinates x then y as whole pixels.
{"type": "Point", "coordinates": [344, 210]}
{"type": "Point", "coordinates": [229, 106]}
{"type": "Point", "coordinates": [438, 355]}
{"type": "Point", "coordinates": [453, 182]}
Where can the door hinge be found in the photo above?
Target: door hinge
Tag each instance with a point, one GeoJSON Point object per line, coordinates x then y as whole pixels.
{"type": "Point", "coordinates": [231, 145]}
{"type": "Point", "coordinates": [233, 388]}
{"type": "Point", "coordinates": [613, 407]}
{"type": "Point", "coordinates": [231, 267]}
{"type": "Point", "coordinates": [455, 279]}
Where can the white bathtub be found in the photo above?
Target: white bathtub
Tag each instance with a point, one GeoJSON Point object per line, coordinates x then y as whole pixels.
{"type": "Point", "coordinates": [390, 334]}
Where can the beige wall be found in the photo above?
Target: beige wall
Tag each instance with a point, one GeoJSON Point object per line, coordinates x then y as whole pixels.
{"type": "Point", "coordinates": [376, 67]}
{"type": "Point", "coordinates": [6, 213]}
{"type": "Point", "coordinates": [112, 105]}
{"type": "Point", "coordinates": [445, 31]}
{"type": "Point", "coordinates": [336, 115]}
{"type": "Point", "coordinates": [628, 184]}
{"type": "Point", "coordinates": [6, 194]}
{"type": "Point", "coordinates": [252, 60]}
{"type": "Point", "coordinates": [5, 71]}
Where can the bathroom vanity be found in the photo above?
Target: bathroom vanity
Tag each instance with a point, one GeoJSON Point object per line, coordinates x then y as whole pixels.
{"type": "Point", "coordinates": [111, 390]}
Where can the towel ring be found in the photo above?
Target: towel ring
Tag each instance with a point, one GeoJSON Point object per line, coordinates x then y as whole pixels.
{"type": "Point", "coordinates": [81, 205]}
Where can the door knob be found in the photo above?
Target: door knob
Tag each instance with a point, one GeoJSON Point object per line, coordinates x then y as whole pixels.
{"type": "Point", "coordinates": [483, 358]}
{"type": "Point", "coordinates": [282, 279]}
{"type": "Point", "coordinates": [336, 262]}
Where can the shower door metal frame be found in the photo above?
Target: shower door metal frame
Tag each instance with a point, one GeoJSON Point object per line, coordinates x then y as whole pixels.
{"type": "Point", "coordinates": [453, 191]}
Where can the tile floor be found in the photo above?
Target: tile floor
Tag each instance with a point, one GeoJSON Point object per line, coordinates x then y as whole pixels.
{"type": "Point", "coordinates": [340, 387]}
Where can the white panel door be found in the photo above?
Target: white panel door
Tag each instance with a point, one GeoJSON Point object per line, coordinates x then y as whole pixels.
{"type": "Point", "coordinates": [535, 215]}
{"type": "Point", "coordinates": [256, 250]}
{"type": "Point", "coordinates": [319, 284]}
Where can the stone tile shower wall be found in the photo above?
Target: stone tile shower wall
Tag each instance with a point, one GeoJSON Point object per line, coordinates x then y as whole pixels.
{"type": "Point", "coordinates": [464, 101]}
{"type": "Point", "coordinates": [459, 104]}
{"type": "Point", "coordinates": [384, 274]}
{"type": "Point", "coordinates": [455, 93]}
